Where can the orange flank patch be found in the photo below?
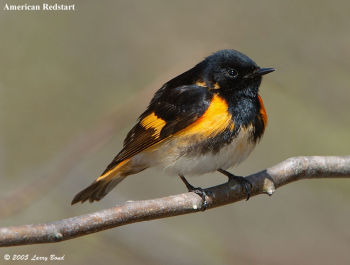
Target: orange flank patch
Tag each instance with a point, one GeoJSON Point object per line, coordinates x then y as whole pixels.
{"type": "Point", "coordinates": [262, 110]}
{"type": "Point", "coordinates": [214, 120]}
{"type": "Point", "coordinates": [232, 126]}
{"type": "Point", "coordinates": [201, 83]}
{"type": "Point", "coordinates": [153, 122]}
{"type": "Point", "coordinates": [113, 172]}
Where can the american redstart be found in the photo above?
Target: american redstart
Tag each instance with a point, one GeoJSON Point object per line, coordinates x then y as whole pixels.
{"type": "Point", "coordinates": [207, 119]}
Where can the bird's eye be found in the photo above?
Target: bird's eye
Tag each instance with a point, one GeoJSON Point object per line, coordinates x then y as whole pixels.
{"type": "Point", "coordinates": [232, 72]}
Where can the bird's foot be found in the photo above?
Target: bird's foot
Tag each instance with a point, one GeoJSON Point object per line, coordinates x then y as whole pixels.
{"type": "Point", "coordinates": [242, 181]}
{"type": "Point", "coordinates": [197, 190]}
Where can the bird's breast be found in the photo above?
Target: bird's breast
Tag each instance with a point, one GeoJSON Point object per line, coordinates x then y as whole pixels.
{"type": "Point", "coordinates": [192, 156]}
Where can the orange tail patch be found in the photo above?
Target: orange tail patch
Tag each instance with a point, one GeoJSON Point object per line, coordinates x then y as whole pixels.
{"type": "Point", "coordinates": [103, 184]}
{"type": "Point", "coordinates": [113, 172]}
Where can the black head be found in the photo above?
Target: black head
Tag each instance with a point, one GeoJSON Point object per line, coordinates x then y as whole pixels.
{"type": "Point", "coordinates": [226, 71]}
{"type": "Point", "coordinates": [230, 70]}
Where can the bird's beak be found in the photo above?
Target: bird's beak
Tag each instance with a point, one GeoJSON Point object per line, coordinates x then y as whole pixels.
{"type": "Point", "coordinates": [260, 72]}
{"type": "Point", "coordinates": [264, 71]}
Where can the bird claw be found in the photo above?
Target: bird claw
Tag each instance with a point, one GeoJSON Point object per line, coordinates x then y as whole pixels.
{"type": "Point", "coordinates": [201, 192]}
{"type": "Point", "coordinates": [243, 182]}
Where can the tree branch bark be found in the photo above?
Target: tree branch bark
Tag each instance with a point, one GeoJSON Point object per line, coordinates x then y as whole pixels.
{"type": "Point", "coordinates": [266, 181]}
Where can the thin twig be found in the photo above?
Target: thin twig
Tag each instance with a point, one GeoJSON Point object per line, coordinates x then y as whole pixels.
{"type": "Point", "coordinates": [265, 181]}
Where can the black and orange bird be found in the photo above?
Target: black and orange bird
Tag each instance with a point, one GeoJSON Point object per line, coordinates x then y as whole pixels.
{"type": "Point", "coordinates": [207, 119]}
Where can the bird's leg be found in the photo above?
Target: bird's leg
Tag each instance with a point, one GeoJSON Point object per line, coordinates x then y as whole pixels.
{"type": "Point", "coordinates": [240, 180]}
{"type": "Point", "coordinates": [199, 191]}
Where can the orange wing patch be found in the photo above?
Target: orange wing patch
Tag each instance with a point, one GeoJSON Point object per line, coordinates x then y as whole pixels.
{"type": "Point", "coordinates": [153, 122]}
{"type": "Point", "coordinates": [262, 110]}
{"type": "Point", "coordinates": [216, 86]}
{"type": "Point", "coordinates": [201, 83]}
{"type": "Point", "coordinates": [214, 120]}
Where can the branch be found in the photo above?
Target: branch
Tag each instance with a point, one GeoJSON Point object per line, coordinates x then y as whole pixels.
{"type": "Point", "coordinates": [265, 181]}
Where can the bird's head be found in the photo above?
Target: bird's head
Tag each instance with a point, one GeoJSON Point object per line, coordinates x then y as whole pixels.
{"type": "Point", "coordinates": [230, 70]}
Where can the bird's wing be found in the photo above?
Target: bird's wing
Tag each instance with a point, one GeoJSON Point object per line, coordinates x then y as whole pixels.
{"type": "Point", "coordinates": [170, 111]}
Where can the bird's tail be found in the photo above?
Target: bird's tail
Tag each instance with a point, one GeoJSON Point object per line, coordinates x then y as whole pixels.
{"type": "Point", "coordinates": [103, 184]}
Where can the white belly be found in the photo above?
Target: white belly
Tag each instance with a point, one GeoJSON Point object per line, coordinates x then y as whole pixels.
{"type": "Point", "coordinates": [168, 157]}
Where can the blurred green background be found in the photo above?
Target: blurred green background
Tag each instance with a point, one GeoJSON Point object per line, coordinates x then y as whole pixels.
{"type": "Point", "coordinates": [73, 83]}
